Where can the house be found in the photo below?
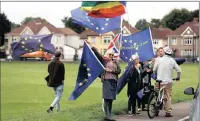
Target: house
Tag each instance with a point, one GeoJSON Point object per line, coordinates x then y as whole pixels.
{"type": "Point", "coordinates": [101, 42]}
{"type": "Point", "coordinates": [71, 38]}
{"type": "Point", "coordinates": [184, 40]}
{"type": "Point", "coordinates": [159, 37]}
{"type": "Point", "coordinates": [61, 36]}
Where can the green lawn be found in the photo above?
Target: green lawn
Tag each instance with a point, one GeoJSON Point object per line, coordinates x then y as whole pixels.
{"type": "Point", "coordinates": [25, 96]}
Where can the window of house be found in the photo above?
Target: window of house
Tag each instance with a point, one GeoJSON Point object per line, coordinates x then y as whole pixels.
{"type": "Point", "coordinates": [188, 41]}
{"type": "Point", "coordinates": [173, 41]}
{"type": "Point", "coordinates": [106, 40]}
{"type": "Point", "coordinates": [188, 52]}
{"type": "Point", "coordinates": [93, 39]}
{"type": "Point", "coordinates": [155, 42]}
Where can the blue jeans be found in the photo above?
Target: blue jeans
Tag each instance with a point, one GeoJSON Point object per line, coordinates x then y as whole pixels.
{"type": "Point", "coordinates": [58, 92]}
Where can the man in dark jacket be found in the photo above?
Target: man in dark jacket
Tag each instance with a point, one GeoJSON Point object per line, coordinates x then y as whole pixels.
{"type": "Point", "coordinates": [55, 79]}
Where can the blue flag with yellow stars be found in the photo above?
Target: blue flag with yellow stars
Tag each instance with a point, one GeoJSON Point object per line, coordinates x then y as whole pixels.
{"type": "Point", "coordinates": [32, 43]}
{"type": "Point", "coordinates": [89, 69]}
{"type": "Point", "coordinates": [140, 43]}
{"type": "Point", "coordinates": [99, 25]}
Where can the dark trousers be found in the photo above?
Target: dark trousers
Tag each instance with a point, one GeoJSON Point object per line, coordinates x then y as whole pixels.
{"type": "Point", "coordinates": [140, 102]}
{"type": "Point", "coordinates": [132, 103]}
{"type": "Point", "coordinates": [108, 108]}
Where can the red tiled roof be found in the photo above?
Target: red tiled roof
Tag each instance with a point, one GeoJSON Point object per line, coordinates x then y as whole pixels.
{"type": "Point", "coordinates": [160, 33]}
{"type": "Point", "coordinates": [67, 31]}
{"type": "Point", "coordinates": [128, 26]}
{"type": "Point", "coordinates": [194, 25]}
{"type": "Point", "coordinates": [86, 33]}
{"type": "Point", "coordinates": [35, 27]}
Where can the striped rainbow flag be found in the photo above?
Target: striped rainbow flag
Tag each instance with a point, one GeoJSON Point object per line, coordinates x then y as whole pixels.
{"type": "Point", "coordinates": [104, 9]}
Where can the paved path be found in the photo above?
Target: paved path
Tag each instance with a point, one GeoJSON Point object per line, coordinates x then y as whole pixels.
{"type": "Point", "coordinates": [180, 110]}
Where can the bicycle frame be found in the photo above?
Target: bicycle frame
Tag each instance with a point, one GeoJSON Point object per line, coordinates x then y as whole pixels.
{"type": "Point", "coordinates": [160, 95]}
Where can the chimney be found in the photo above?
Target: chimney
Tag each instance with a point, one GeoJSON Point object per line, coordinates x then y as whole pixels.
{"type": "Point", "coordinates": [38, 21]}
{"type": "Point", "coordinates": [195, 21]}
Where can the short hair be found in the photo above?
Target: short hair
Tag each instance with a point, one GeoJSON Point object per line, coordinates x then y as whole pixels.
{"type": "Point", "coordinates": [57, 54]}
{"type": "Point", "coordinates": [159, 48]}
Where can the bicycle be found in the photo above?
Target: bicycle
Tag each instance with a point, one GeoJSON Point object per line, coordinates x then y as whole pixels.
{"type": "Point", "coordinates": [158, 95]}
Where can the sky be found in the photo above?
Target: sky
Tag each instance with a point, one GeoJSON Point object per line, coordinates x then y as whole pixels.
{"type": "Point", "coordinates": [55, 11]}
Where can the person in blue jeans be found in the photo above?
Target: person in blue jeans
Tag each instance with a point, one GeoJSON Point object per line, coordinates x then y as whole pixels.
{"type": "Point", "coordinates": [55, 79]}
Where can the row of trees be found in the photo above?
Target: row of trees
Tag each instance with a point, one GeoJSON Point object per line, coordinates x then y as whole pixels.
{"type": "Point", "coordinates": [172, 20]}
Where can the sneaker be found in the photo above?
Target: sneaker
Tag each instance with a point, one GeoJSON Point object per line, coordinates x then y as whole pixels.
{"type": "Point", "coordinates": [49, 111]}
{"type": "Point", "coordinates": [139, 111]}
{"type": "Point", "coordinates": [130, 113]}
{"type": "Point", "coordinates": [168, 115]}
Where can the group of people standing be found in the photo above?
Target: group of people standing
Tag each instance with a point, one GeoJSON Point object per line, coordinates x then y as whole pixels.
{"type": "Point", "coordinates": [139, 78]}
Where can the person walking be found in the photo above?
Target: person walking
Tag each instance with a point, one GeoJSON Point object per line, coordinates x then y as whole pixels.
{"type": "Point", "coordinates": [55, 80]}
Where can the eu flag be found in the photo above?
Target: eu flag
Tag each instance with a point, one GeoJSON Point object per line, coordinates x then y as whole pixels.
{"type": "Point", "coordinates": [89, 69]}
{"type": "Point", "coordinates": [140, 43]}
{"type": "Point", "coordinates": [99, 25]}
{"type": "Point", "coordinates": [32, 43]}
{"type": "Point", "coordinates": [123, 80]}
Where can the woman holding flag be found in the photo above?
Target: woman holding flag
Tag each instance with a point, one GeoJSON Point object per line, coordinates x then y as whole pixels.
{"type": "Point", "coordinates": [109, 80]}
{"type": "Point", "coordinates": [134, 84]}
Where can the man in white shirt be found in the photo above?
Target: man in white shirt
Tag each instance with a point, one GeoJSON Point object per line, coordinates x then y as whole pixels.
{"type": "Point", "coordinates": [164, 68]}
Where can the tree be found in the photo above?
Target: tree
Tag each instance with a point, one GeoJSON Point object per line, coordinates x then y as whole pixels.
{"type": "Point", "coordinates": [69, 23]}
{"type": "Point", "coordinates": [14, 25]}
{"type": "Point", "coordinates": [156, 23]}
{"type": "Point", "coordinates": [195, 13]}
{"type": "Point", "coordinates": [142, 24]}
{"type": "Point", "coordinates": [5, 27]}
{"type": "Point", "coordinates": [176, 18]}
{"type": "Point", "coordinates": [29, 19]}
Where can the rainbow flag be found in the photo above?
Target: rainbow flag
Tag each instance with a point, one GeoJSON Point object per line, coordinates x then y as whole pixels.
{"type": "Point", "coordinates": [104, 9]}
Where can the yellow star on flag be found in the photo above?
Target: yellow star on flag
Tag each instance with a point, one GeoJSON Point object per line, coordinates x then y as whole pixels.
{"type": "Point", "coordinates": [25, 38]}
{"type": "Point", "coordinates": [88, 69]}
{"type": "Point", "coordinates": [40, 49]}
{"type": "Point", "coordinates": [89, 74]}
{"type": "Point", "coordinates": [80, 84]}
{"type": "Point", "coordinates": [23, 43]}
{"type": "Point", "coordinates": [125, 41]}
{"type": "Point", "coordinates": [86, 80]}
{"type": "Point", "coordinates": [22, 46]}
{"type": "Point", "coordinates": [41, 45]}
{"type": "Point", "coordinates": [84, 65]}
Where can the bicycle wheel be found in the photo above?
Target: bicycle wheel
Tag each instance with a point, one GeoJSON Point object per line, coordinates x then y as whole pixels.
{"type": "Point", "coordinates": [152, 109]}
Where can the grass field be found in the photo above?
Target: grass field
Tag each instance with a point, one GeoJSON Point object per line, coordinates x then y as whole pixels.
{"type": "Point", "coordinates": [25, 96]}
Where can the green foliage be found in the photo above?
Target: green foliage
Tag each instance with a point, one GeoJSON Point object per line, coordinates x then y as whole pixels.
{"type": "Point", "coordinates": [67, 21]}
{"type": "Point", "coordinates": [176, 18]}
{"type": "Point", "coordinates": [5, 27]}
{"type": "Point", "coordinates": [14, 25]}
{"type": "Point", "coordinates": [142, 24]}
{"type": "Point", "coordinates": [29, 19]}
